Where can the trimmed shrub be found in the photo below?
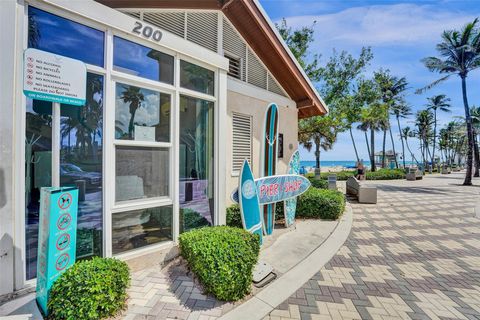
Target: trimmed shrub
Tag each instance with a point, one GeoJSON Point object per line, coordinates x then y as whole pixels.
{"type": "Point", "coordinates": [386, 174]}
{"type": "Point", "coordinates": [222, 258]}
{"type": "Point", "coordinates": [234, 219]}
{"type": "Point", "coordinates": [90, 289]}
{"type": "Point", "coordinates": [321, 203]}
{"type": "Point", "coordinates": [319, 184]}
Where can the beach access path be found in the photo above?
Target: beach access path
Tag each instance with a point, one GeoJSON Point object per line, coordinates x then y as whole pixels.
{"type": "Point", "coordinates": [413, 255]}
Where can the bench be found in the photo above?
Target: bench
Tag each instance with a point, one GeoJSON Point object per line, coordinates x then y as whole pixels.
{"type": "Point", "coordinates": [364, 194]}
{"type": "Point", "coordinates": [414, 174]}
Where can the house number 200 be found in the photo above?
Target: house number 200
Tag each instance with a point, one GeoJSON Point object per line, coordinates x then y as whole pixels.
{"type": "Point", "coordinates": [147, 31]}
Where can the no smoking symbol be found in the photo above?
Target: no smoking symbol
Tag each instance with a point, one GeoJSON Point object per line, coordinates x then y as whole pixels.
{"type": "Point", "coordinates": [65, 201]}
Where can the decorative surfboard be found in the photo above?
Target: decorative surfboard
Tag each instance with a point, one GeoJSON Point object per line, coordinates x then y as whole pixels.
{"type": "Point", "coordinates": [277, 188]}
{"type": "Point", "coordinates": [290, 205]}
{"type": "Point", "coordinates": [269, 161]}
{"type": "Point", "coordinates": [248, 199]}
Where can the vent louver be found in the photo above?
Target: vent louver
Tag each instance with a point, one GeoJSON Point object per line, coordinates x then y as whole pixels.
{"type": "Point", "coordinates": [173, 22]}
{"type": "Point", "coordinates": [257, 73]}
{"type": "Point", "coordinates": [202, 29]}
{"type": "Point", "coordinates": [233, 44]}
{"type": "Point", "coordinates": [274, 87]}
{"type": "Point", "coordinates": [242, 140]}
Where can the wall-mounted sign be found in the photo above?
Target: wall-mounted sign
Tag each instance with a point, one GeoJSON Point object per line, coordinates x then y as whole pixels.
{"type": "Point", "coordinates": [54, 78]}
{"type": "Point", "coordinates": [57, 237]}
{"type": "Point", "coordinates": [278, 188]}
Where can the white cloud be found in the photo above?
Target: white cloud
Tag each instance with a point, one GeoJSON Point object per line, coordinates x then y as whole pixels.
{"type": "Point", "coordinates": [381, 25]}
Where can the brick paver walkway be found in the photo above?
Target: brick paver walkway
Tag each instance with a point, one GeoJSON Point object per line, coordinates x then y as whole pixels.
{"type": "Point", "coordinates": [416, 254]}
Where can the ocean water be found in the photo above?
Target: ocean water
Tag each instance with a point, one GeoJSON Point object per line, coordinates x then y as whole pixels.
{"type": "Point", "coordinates": [340, 163]}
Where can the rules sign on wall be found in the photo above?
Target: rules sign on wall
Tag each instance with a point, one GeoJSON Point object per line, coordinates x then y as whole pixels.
{"type": "Point", "coordinates": [57, 235]}
{"type": "Point", "coordinates": [54, 78]}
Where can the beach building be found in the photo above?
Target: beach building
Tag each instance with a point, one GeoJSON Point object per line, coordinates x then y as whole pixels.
{"type": "Point", "coordinates": [176, 93]}
{"type": "Point", "coordinates": [390, 158]}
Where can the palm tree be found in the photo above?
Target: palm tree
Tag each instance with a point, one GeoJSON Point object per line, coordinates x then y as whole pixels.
{"type": "Point", "coordinates": [134, 96]}
{"type": "Point", "coordinates": [423, 122]}
{"type": "Point", "coordinates": [318, 131]}
{"type": "Point", "coordinates": [438, 102]}
{"type": "Point", "coordinates": [401, 110]}
{"type": "Point", "coordinates": [373, 118]}
{"type": "Point", "coordinates": [392, 90]}
{"type": "Point", "coordinates": [408, 133]}
{"type": "Point", "coordinates": [475, 113]}
{"type": "Point", "coordinates": [458, 55]}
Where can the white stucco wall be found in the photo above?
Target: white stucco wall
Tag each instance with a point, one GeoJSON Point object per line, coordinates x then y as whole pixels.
{"type": "Point", "coordinates": [254, 101]}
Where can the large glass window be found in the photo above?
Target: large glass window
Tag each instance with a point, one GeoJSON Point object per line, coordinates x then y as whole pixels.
{"type": "Point", "coordinates": [139, 228]}
{"type": "Point", "coordinates": [138, 60]}
{"type": "Point", "coordinates": [64, 37]}
{"type": "Point", "coordinates": [141, 173]}
{"type": "Point", "coordinates": [81, 154]}
{"type": "Point", "coordinates": [141, 114]}
{"type": "Point", "coordinates": [196, 163]}
{"type": "Point", "coordinates": [196, 78]}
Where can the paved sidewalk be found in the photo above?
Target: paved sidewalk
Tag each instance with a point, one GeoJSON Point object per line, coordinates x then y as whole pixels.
{"type": "Point", "coordinates": [414, 255]}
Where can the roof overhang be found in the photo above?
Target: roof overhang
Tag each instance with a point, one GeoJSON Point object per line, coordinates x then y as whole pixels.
{"type": "Point", "coordinates": [256, 28]}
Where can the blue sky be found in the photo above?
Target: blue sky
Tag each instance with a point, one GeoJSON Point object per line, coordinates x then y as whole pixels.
{"type": "Point", "coordinates": [400, 33]}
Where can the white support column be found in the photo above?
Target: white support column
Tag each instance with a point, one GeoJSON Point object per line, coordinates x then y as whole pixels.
{"type": "Point", "coordinates": [7, 151]}
{"type": "Point", "coordinates": [176, 152]}
{"type": "Point", "coordinates": [55, 144]}
{"type": "Point", "coordinates": [108, 147]}
{"type": "Point", "coordinates": [220, 146]}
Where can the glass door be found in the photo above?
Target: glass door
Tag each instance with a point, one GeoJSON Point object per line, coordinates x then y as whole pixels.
{"type": "Point", "coordinates": [196, 163]}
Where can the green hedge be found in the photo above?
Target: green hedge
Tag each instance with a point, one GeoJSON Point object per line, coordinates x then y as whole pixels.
{"type": "Point", "coordinates": [380, 174]}
{"type": "Point", "coordinates": [321, 203]}
{"type": "Point", "coordinates": [342, 175]}
{"type": "Point", "coordinates": [234, 219]}
{"type": "Point", "coordinates": [222, 258]}
{"type": "Point", "coordinates": [386, 174]}
{"type": "Point", "coordinates": [90, 289]}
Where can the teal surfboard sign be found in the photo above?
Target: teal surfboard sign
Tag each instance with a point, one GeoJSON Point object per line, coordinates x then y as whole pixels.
{"type": "Point", "coordinates": [248, 199]}
{"type": "Point", "coordinates": [277, 188]}
{"type": "Point", "coordinates": [269, 161]}
{"type": "Point", "coordinates": [290, 205]}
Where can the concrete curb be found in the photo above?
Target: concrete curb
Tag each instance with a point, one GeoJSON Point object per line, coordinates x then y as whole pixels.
{"type": "Point", "coordinates": [269, 298]}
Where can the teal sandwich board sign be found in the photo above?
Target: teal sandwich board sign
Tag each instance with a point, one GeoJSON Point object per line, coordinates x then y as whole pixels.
{"type": "Point", "coordinates": [57, 235]}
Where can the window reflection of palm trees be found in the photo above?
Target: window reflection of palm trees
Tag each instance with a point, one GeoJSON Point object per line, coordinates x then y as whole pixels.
{"type": "Point", "coordinates": [86, 122]}
{"type": "Point", "coordinates": [135, 97]}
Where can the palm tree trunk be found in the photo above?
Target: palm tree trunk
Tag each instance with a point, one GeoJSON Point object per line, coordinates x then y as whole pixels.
{"type": "Point", "coordinates": [383, 147]}
{"type": "Point", "coordinates": [368, 145]}
{"type": "Point", "coordinates": [393, 146]}
{"type": "Point", "coordinates": [354, 145]}
{"type": "Point", "coordinates": [434, 135]}
{"type": "Point", "coordinates": [372, 152]}
{"type": "Point", "coordinates": [411, 153]}
{"type": "Point", "coordinates": [401, 138]}
{"type": "Point", "coordinates": [468, 176]}
{"type": "Point", "coordinates": [476, 155]}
